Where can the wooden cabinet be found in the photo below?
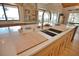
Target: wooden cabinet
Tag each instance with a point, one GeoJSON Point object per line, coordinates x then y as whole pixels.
{"type": "Point", "coordinates": [57, 48]}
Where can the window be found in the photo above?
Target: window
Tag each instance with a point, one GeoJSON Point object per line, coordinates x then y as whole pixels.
{"type": "Point", "coordinates": [46, 18]}
{"type": "Point", "coordinates": [2, 16]}
{"type": "Point", "coordinates": [40, 14]}
{"type": "Point", "coordinates": [74, 18]}
{"type": "Point", "coordinates": [11, 12]}
{"type": "Point", "coordinates": [54, 18]}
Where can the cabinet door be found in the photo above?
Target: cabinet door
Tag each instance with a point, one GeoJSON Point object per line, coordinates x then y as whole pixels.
{"type": "Point", "coordinates": [57, 47]}
{"type": "Point", "coordinates": [51, 50]}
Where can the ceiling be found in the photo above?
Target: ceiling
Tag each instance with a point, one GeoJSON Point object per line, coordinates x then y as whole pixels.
{"type": "Point", "coordinates": [70, 4]}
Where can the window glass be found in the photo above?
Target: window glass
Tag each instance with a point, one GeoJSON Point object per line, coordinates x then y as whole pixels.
{"type": "Point", "coordinates": [46, 18]}
{"type": "Point", "coordinates": [73, 18]}
{"type": "Point", "coordinates": [2, 16]}
{"type": "Point", "coordinates": [54, 18]}
{"type": "Point", "coordinates": [12, 12]}
{"type": "Point", "coordinates": [40, 13]}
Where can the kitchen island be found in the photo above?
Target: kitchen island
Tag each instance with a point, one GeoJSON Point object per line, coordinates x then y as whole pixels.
{"type": "Point", "coordinates": [31, 40]}
{"type": "Point", "coordinates": [54, 46]}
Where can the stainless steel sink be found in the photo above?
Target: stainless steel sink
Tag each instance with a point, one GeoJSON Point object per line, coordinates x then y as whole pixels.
{"type": "Point", "coordinates": [54, 30]}
{"type": "Point", "coordinates": [48, 33]}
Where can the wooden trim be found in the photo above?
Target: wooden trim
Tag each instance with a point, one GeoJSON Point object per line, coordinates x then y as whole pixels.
{"type": "Point", "coordinates": [9, 4]}
{"type": "Point", "coordinates": [15, 24]}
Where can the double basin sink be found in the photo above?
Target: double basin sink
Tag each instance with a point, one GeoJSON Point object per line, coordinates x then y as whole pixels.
{"type": "Point", "coordinates": [51, 32]}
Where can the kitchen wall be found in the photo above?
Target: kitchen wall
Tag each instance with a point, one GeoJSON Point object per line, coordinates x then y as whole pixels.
{"type": "Point", "coordinates": [23, 14]}
{"type": "Point", "coordinates": [66, 15]}
{"type": "Point", "coordinates": [28, 12]}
